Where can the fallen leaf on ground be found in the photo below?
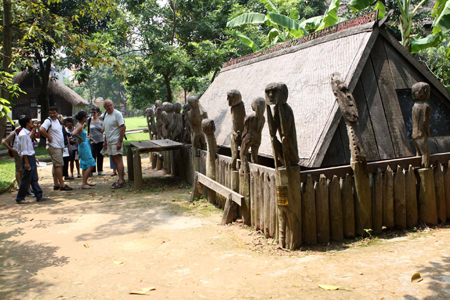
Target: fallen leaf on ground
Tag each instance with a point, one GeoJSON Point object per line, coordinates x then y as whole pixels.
{"type": "Point", "coordinates": [86, 245]}
{"type": "Point", "coordinates": [123, 198]}
{"type": "Point", "coordinates": [137, 293]}
{"type": "Point", "coordinates": [416, 278]}
{"type": "Point", "coordinates": [118, 262]}
{"type": "Point", "coordinates": [148, 289]}
{"type": "Point", "coordinates": [328, 287]}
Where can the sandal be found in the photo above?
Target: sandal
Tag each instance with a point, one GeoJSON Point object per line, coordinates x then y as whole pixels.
{"type": "Point", "coordinates": [114, 174]}
{"type": "Point", "coordinates": [115, 183]}
{"type": "Point", "coordinates": [119, 185]}
{"type": "Point", "coordinates": [86, 187]}
{"type": "Point", "coordinates": [92, 184]}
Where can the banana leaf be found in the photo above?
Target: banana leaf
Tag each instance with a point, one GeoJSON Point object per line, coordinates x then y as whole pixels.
{"type": "Point", "coordinates": [443, 20]}
{"type": "Point", "coordinates": [269, 6]}
{"type": "Point", "coordinates": [330, 17]}
{"type": "Point", "coordinates": [249, 18]}
{"type": "Point", "coordinates": [247, 41]}
{"type": "Point", "coordinates": [294, 28]}
{"type": "Point", "coordinates": [381, 10]}
{"type": "Point", "coordinates": [359, 4]}
{"type": "Point", "coordinates": [431, 40]}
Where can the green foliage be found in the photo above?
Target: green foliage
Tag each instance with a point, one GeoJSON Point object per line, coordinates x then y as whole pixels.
{"type": "Point", "coordinates": [6, 83]}
{"type": "Point", "coordinates": [436, 60]}
{"type": "Point", "coordinates": [7, 172]}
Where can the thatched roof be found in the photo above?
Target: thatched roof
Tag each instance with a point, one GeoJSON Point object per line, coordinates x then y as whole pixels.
{"type": "Point", "coordinates": [56, 87]}
{"type": "Point", "coordinates": [305, 67]}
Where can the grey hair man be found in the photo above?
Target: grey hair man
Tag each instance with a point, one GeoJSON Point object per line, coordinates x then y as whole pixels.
{"type": "Point", "coordinates": [114, 133]}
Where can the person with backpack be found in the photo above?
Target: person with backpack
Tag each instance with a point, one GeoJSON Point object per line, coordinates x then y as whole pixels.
{"type": "Point", "coordinates": [52, 130]}
{"type": "Point", "coordinates": [95, 131]}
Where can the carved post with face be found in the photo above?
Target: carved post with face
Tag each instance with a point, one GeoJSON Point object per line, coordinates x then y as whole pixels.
{"type": "Point", "coordinates": [159, 122]}
{"type": "Point", "coordinates": [421, 121]}
{"type": "Point", "coordinates": [209, 128]}
{"type": "Point", "coordinates": [177, 122]}
{"type": "Point", "coordinates": [195, 116]}
{"type": "Point", "coordinates": [349, 110]}
{"type": "Point", "coordinates": [280, 119]}
{"type": "Point", "coordinates": [168, 119]}
{"type": "Point", "coordinates": [237, 116]}
{"type": "Point", "coordinates": [150, 114]}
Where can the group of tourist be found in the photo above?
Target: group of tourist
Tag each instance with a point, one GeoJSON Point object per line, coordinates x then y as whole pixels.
{"type": "Point", "coordinates": [82, 146]}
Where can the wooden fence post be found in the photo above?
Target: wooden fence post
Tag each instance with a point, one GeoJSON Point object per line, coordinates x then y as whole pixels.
{"type": "Point", "coordinates": [447, 189]}
{"type": "Point", "coordinates": [363, 202]}
{"type": "Point", "coordinates": [138, 182]}
{"type": "Point", "coordinates": [440, 193]}
{"type": "Point", "coordinates": [427, 197]}
{"type": "Point", "coordinates": [309, 224]}
{"type": "Point", "coordinates": [322, 210]}
{"type": "Point", "coordinates": [412, 216]}
{"type": "Point", "coordinates": [399, 199]}
{"type": "Point", "coordinates": [388, 199]}
{"type": "Point", "coordinates": [377, 202]}
{"type": "Point", "coordinates": [348, 206]}
{"type": "Point", "coordinates": [336, 223]}
{"type": "Point", "coordinates": [130, 167]}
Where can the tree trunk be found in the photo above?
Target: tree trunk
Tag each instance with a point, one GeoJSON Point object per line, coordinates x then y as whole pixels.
{"type": "Point", "coordinates": [7, 53]}
{"type": "Point", "coordinates": [168, 88]}
{"type": "Point", "coordinates": [45, 68]}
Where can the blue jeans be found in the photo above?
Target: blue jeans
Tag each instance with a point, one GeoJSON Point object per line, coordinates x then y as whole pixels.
{"type": "Point", "coordinates": [29, 177]}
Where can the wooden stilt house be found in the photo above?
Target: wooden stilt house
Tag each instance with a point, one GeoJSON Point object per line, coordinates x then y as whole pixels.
{"type": "Point", "coordinates": [67, 100]}
{"type": "Point", "coordinates": [378, 70]}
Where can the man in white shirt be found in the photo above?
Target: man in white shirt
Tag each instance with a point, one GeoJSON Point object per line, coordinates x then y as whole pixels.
{"type": "Point", "coordinates": [30, 175]}
{"type": "Point", "coordinates": [51, 129]}
{"type": "Point", "coordinates": [114, 132]}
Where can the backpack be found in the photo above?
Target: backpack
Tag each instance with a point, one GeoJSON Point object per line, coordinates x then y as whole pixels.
{"type": "Point", "coordinates": [11, 144]}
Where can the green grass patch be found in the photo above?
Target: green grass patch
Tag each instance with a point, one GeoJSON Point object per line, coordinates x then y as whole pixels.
{"type": "Point", "coordinates": [136, 137]}
{"type": "Point", "coordinates": [7, 172]}
{"type": "Point", "coordinates": [136, 123]}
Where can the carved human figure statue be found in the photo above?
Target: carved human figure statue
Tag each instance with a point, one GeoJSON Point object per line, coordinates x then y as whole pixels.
{"type": "Point", "coordinates": [209, 128]}
{"type": "Point", "coordinates": [158, 103]}
{"type": "Point", "coordinates": [159, 122]}
{"type": "Point", "coordinates": [168, 119]}
{"type": "Point", "coordinates": [234, 99]}
{"type": "Point", "coordinates": [196, 115]}
{"type": "Point", "coordinates": [421, 121]}
{"type": "Point", "coordinates": [280, 119]}
{"type": "Point", "coordinates": [349, 110]}
{"type": "Point", "coordinates": [251, 137]}
{"type": "Point", "coordinates": [177, 128]}
{"type": "Point", "coordinates": [150, 114]}
{"type": "Point", "coordinates": [186, 136]}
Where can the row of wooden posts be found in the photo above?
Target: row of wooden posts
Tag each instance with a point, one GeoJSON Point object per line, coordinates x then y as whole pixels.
{"type": "Point", "coordinates": [402, 196]}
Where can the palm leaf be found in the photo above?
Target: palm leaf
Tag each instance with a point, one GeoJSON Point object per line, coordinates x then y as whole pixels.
{"type": "Point", "coordinates": [248, 18]}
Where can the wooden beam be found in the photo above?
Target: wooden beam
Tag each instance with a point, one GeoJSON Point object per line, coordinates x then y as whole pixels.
{"type": "Point", "coordinates": [220, 189]}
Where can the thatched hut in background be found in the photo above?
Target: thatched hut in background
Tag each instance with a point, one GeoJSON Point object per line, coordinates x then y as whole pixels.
{"type": "Point", "coordinates": [378, 70]}
{"type": "Point", "coordinates": [67, 100]}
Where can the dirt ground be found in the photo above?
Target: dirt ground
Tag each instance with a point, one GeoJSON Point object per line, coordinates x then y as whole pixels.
{"type": "Point", "coordinates": [104, 244]}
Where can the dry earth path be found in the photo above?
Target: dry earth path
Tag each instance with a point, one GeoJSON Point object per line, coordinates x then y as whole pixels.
{"type": "Point", "coordinates": [104, 244]}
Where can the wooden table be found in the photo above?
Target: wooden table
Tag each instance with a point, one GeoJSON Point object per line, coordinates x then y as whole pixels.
{"type": "Point", "coordinates": [134, 157]}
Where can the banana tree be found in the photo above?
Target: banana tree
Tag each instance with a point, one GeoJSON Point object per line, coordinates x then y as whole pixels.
{"type": "Point", "coordinates": [441, 24]}
{"type": "Point", "coordinates": [284, 28]}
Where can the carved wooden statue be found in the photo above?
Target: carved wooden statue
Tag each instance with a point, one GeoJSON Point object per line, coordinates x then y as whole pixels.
{"type": "Point", "coordinates": [177, 130]}
{"type": "Point", "coordinates": [158, 103]}
{"type": "Point", "coordinates": [150, 114]}
{"type": "Point", "coordinates": [251, 137]}
{"type": "Point", "coordinates": [349, 110]}
{"type": "Point", "coordinates": [196, 115]}
{"type": "Point", "coordinates": [237, 116]}
{"type": "Point", "coordinates": [159, 122]}
{"type": "Point", "coordinates": [281, 120]}
{"type": "Point", "coordinates": [421, 121]}
{"type": "Point", "coordinates": [168, 120]}
{"type": "Point", "coordinates": [209, 128]}
{"type": "Point", "coordinates": [186, 136]}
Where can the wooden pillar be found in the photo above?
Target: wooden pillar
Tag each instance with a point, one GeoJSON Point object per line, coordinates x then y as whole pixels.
{"type": "Point", "coordinates": [447, 190]}
{"type": "Point", "coordinates": [388, 199]}
{"type": "Point", "coordinates": [229, 211]}
{"type": "Point", "coordinates": [309, 225]}
{"type": "Point", "coordinates": [440, 193]}
{"type": "Point", "coordinates": [244, 190]}
{"type": "Point", "coordinates": [261, 201]}
{"type": "Point", "coordinates": [322, 210]}
{"type": "Point", "coordinates": [377, 202]}
{"type": "Point", "coordinates": [399, 199]}
{"type": "Point", "coordinates": [252, 198]}
{"type": "Point", "coordinates": [196, 189]}
{"type": "Point", "coordinates": [267, 205]}
{"type": "Point", "coordinates": [138, 182]}
{"type": "Point", "coordinates": [273, 207]}
{"type": "Point", "coordinates": [336, 223]}
{"type": "Point", "coordinates": [154, 157]}
{"type": "Point", "coordinates": [412, 216]}
{"type": "Point", "coordinates": [130, 167]}
{"type": "Point", "coordinates": [427, 197]}
{"type": "Point", "coordinates": [159, 162]}
{"type": "Point", "coordinates": [363, 202]}
{"type": "Point", "coordinates": [257, 203]}
{"type": "Point", "coordinates": [348, 206]}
